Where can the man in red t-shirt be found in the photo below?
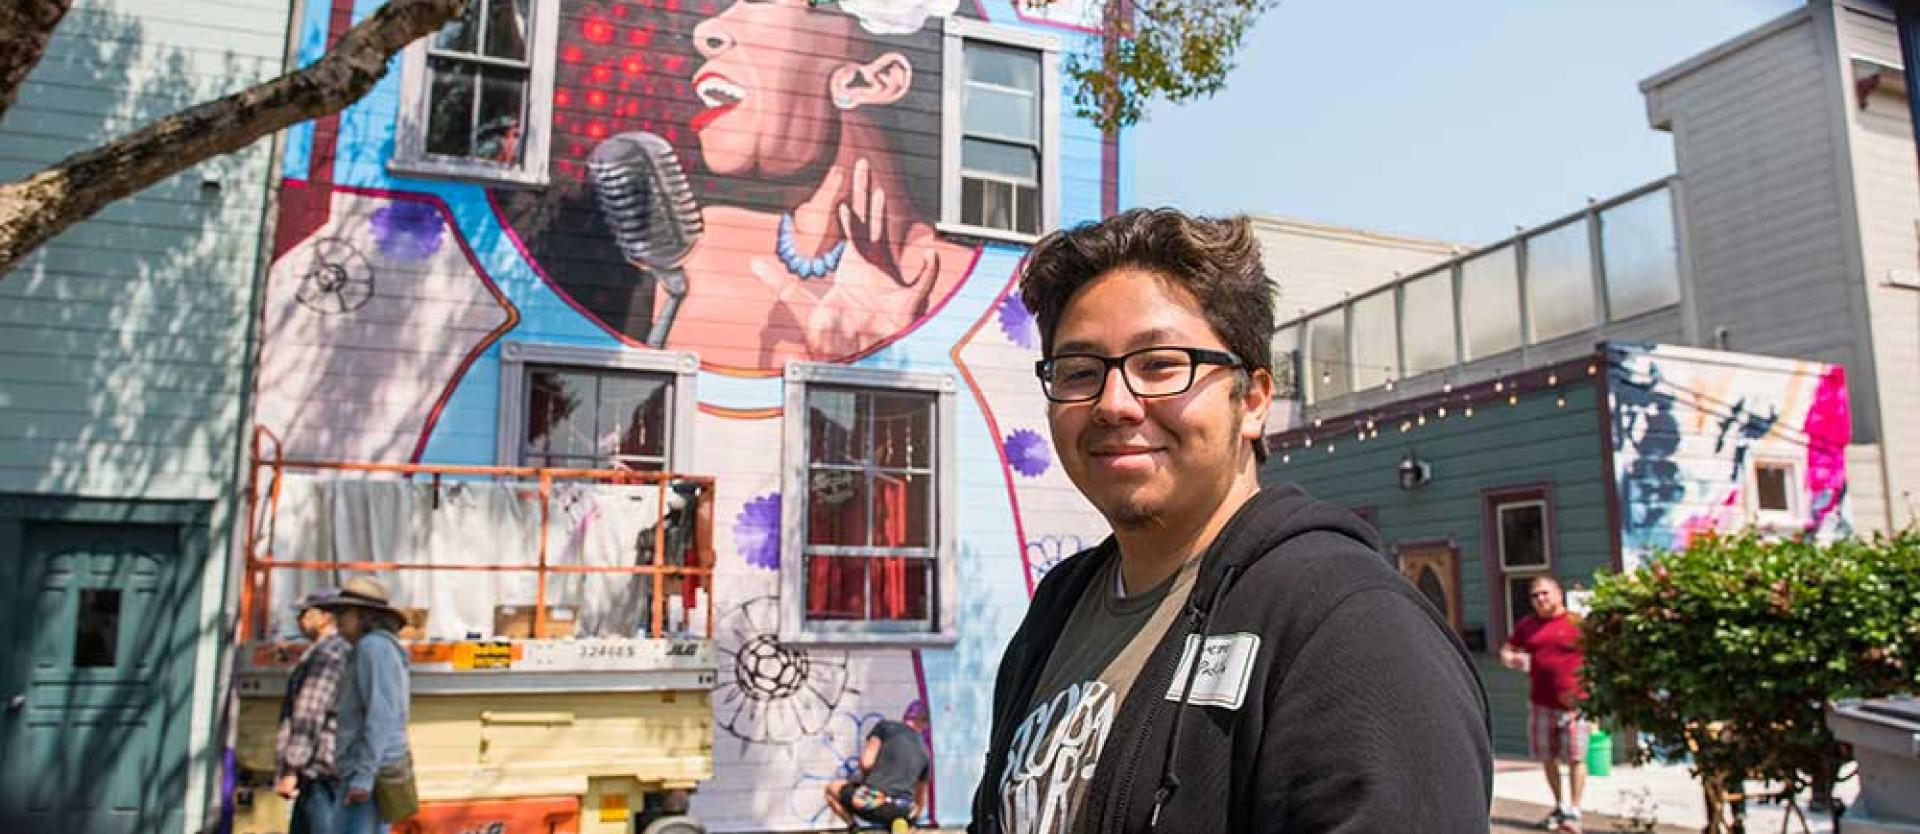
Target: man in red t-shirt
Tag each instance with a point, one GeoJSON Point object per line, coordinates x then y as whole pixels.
{"type": "Point", "coordinates": [1546, 644]}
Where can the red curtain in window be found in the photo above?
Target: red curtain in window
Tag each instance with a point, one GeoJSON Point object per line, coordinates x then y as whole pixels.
{"type": "Point", "coordinates": [890, 530]}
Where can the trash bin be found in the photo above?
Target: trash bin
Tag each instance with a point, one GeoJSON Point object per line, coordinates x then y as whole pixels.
{"type": "Point", "coordinates": [1885, 734]}
{"type": "Point", "coordinates": [1599, 753]}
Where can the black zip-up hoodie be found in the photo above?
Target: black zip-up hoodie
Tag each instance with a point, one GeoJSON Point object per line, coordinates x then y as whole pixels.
{"type": "Point", "coordinates": [1363, 712]}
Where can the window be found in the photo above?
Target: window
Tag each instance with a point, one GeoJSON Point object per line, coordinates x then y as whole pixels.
{"type": "Point", "coordinates": [1560, 298]}
{"type": "Point", "coordinates": [96, 628]}
{"type": "Point", "coordinates": [1640, 255]}
{"type": "Point", "coordinates": [1001, 125]}
{"type": "Point", "coordinates": [595, 408]}
{"type": "Point", "coordinates": [1428, 334]}
{"type": "Point", "coordinates": [1519, 548]}
{"type": "Point", "coordinates": [477, 96]}
{"type": "Point", "coordinates": [580, 418]}
{"type": "Point", "coordinates": [1523, 535]}
{"type": "Point", "coordinates": [1327, 355]}
{"type": "Point", "coordinates": [867, 509]}
{"type": "Point", "coordinates": [1286, 362]}
{"type": "Point", "coordinates": [1776, 491]}
{"type": "Point", "coordinates": [1490, 303]}
{"type": "Point", "coordinates": [1376, 349]}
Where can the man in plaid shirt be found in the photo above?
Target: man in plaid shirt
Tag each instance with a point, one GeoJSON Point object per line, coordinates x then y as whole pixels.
{"type": "Point", "coordinates": [304, 741]}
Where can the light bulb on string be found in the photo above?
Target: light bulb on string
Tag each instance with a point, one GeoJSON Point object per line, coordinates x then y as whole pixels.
{"type": "Point", "coordinates": [1286, 458]}
{"type": "Point", "coordinates": [1553, 379]}
{"type": "Point", "coordinates": [1309, 443]}
{"type": "Point", "coordinates": [1389, 383]}
{"type": "Point", "coordinates": [1469, 409]}
{"type": "Point", "coordinates": [1593, 369]}
{"type": "Point", "coordinates": [1499, 385]}
{"type": "Point", "coordinates": [1406, 426]}
{"type": "Point", "coordinates": [1326, 376]}
{"type": "Point", "coordinates": [1560, 401]}
{"type": "Point", "coordinates": [1446, 388]}
{"type": "Point", "coordinates": [1442, 413]}
{"type": "Point", "coordinates": [1513, 399]}
{"type": "Point", "coordinates": [1423, 419]}
{"type": "Point", "coordinates": [1316, 422]}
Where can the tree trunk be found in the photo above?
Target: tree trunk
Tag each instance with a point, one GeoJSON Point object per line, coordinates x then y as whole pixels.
{"type": "Point", "coordinates": [25, 28]}
{"type": "Point", "coordinates": [37, 208]}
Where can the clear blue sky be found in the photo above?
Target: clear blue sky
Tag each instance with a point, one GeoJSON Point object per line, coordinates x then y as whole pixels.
{"type": "Point", "coordinates": [1454, 120]}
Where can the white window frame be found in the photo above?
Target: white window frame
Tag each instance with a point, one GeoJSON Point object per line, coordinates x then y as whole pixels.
{"type": "Point", "coordinates": [1546, 536]}
{"type": "Point", "coordinates": [516, 356]}
{"type": "Point", "coordinates": [1794, 516]}
{"type": "Point", "coordinates": [953, 79]}
{"type": "Point", "coordinates": [410, 129]}
{"type": "Point", "coordinates": [794, 627]}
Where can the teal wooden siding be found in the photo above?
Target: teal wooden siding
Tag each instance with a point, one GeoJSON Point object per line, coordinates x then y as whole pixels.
{"type": "Point", "coordinates": [1534, 442]}
{"type": "Point", "coordinates": [123, 342]}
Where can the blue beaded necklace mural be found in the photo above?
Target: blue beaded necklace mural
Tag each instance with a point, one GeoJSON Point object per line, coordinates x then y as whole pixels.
{"type": "Point", "coordinates": [802, 267]}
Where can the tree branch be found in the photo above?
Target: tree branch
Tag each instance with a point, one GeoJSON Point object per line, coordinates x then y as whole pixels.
{"type": "Point", "coordinates": [25, 28]}
{"type": "Point", "coordinates": [37, 208]}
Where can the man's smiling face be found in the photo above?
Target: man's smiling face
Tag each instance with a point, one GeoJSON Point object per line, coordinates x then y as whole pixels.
{"type": "Point", "coordinates": [1168, 459]}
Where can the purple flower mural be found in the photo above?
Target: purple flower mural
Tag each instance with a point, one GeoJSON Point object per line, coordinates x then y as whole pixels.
{"type": "Point", "coordinates": [407, 230]}
{"type": "Point", "coordinates": [1027, 453]}
{"type": "Point", "coordinates": [1017, 322]}
{"type": "Point", "coordinates": [756, 531]}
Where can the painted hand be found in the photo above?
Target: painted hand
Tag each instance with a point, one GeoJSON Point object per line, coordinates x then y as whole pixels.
{"type": "Point", "coordinates": [288, 786]}
{"type": "Point", "coordinates": [872, 296]}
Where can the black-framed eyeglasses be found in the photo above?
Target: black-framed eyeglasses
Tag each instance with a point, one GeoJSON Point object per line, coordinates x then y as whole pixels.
{"type": "Point", "coordinates": [1149, 372]}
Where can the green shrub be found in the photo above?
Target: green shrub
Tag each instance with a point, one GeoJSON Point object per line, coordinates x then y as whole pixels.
{"type": "Point", "coordinates": [1730, 649]}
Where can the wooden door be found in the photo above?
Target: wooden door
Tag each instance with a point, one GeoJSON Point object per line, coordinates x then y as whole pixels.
{"type": "Point", "coordinates": [1434, 570]}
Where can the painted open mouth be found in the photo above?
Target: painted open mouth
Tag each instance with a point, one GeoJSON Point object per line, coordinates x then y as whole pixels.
{"type": "Point", "coordinates": [719, 94]}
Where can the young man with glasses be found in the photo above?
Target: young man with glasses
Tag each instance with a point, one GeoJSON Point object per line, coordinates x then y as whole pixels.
{"type": "Point", "coordinates": [1326, 695]}
{"type": "Point", "coordinates": [1546, 645]}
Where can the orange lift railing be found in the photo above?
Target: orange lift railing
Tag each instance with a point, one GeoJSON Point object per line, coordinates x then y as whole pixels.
{"type": "Point", "coordinates": [269, 467]}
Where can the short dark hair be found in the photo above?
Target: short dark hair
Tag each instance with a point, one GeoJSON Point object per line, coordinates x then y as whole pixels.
{"type": "Point", "coordinates": [1216, 259]}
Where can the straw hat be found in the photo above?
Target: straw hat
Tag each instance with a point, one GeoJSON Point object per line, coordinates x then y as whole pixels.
{"type": "Point", "coordinates": [362, 592]}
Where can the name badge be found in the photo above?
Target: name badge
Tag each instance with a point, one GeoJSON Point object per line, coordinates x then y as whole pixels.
{"type": "Point", "coordinates": [1226, 667]}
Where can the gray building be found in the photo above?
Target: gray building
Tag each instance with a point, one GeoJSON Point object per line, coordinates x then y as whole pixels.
{"type": "Point", "coordinates": [1732, 346]}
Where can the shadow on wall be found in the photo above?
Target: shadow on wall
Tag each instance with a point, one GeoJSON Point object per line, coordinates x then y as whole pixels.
{"type": "Point", "coordinates": [124, 338]}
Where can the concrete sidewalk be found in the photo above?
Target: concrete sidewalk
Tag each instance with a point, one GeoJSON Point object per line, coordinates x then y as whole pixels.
{"type": "Point", "coordinates": [1661, 793]}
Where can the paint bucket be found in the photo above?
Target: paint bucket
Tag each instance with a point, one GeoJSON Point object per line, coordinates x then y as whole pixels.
{"type": "Point", "coordinates": [1599, 753]}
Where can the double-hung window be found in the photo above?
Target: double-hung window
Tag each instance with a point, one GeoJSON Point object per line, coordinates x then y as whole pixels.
{"type": "Point", "coordinates": [1002, 126]}
{"type": "Point", "coordinates": [593, 408]}
{"type": "Point", "coordinates": [1520, 539]}
{"type": "Point", "coordinates": [868, 508]}
{"type": "Point", "coordinates": [477, 96]}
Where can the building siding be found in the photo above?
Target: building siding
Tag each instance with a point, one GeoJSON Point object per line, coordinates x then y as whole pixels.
{"type": "Point", "coordinates": [1764, 207]}
{"type": "Point", "coordinates": [122, 341]}
{"type": "Point", "coordinates": [1886, 187]}
{"type": "Point", "coordinates": [1314, 266]}
{"type": "Point", "coordinates": [1539, 443]}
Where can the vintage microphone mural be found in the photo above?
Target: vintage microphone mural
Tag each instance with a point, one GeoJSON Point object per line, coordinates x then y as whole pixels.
{"type": "Point", "coordinates": [646, 201]}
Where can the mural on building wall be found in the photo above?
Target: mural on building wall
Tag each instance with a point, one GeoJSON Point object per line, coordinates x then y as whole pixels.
{"type": "Point", "coordinates": [809, 139]}
{"type": "Point", "coordinates": [1689, 428]}
{"type": "Point", "coordinates": [799, 225]}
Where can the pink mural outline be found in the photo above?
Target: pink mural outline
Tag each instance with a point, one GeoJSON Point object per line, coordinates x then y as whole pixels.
{"type": "Point", "coordinates": [993, 426]}
{"type": "Point", "coordinates": [729, 370]}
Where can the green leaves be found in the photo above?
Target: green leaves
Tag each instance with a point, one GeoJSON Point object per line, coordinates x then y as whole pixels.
{"type": "Point", "coordinates": [1730, 648]}
{"type": "Point", "coordinates": [1176, 50]}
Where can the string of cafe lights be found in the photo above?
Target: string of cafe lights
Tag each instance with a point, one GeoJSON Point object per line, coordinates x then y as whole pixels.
{"type": "Point", "coordinates": [1365, 424]}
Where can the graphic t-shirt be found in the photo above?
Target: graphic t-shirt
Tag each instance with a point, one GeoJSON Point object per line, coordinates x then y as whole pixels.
{"type": "Point", "coordinates": [1106, 641]}
{"type": "Point", "coordinates": [902, 762]}
{"type": "Point", "coordinates": [1554, 660]}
